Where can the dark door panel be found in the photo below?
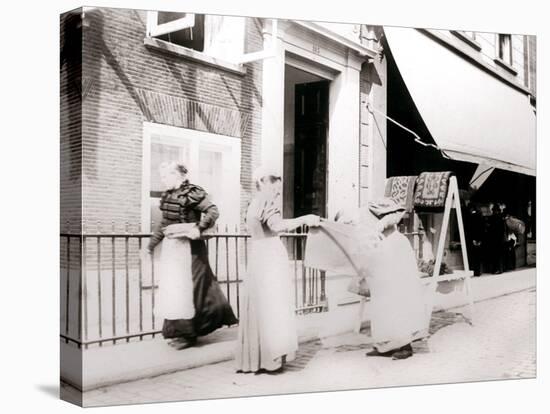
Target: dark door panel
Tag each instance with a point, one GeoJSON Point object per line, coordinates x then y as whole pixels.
{"type": "Point", "coordinates": [311, 129]}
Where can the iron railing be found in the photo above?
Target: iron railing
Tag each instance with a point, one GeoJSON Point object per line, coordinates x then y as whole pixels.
{"type": "Point", "coordinates": [110, 296]}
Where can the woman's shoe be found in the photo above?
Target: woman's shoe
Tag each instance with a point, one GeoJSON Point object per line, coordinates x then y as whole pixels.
{"type": "Point", "coordinates": [403, 352]}
{"type": "Point", "coordinates": [270, 371]}
{"type": "Point", "coordinates": [375, 352]}
{"type": "Point", "coordinates": [182, 343]}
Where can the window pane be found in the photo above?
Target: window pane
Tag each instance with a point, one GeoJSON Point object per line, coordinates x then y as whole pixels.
{"type": "Point", "coordinates": [210, 173]}
{"type": "Point", "coordinates": [192, 38]}
{"type": "Point", "coordinates": [162, 153]}
{"type": "Point", "coordinates": [504, 48]}
{"type": "Point", "coordinates": [165, 17]}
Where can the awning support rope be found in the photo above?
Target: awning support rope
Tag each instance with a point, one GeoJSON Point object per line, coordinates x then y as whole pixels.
{"type": "Point", "coordinates": [417, 139]}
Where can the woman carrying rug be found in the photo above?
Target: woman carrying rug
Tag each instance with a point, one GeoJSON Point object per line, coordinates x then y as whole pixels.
{"type": "Point", "coordinates": [267, 329]}
{"type": "Point", "coordinates": [398, 310]}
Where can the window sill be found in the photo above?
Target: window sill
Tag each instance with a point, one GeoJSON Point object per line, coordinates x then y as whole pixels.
{"type": "Point", "coordinates": [506, 66]}
{"type": "Point", "coordinates": [193, 55]}
{"type": "Point", "coordinates": [467, 39]}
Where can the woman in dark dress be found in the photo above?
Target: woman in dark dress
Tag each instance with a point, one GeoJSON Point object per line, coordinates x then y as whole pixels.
{"type": "Point", "coordinates": [184, 262]}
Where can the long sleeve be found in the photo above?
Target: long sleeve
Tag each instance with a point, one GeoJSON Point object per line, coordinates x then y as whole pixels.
{"type": "Point", "coordinates": [210, 214]}
{"type": "Point", "coordinates": [270, 213]}
{"type": "Point", "coordinates": [158, 233]}
{"type": "Point", "coordinates": [157, 236]}
{"type": "Point", "coordinates": [200, 201]}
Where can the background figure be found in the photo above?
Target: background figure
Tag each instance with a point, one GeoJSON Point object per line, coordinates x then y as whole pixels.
{"type": "Point", "coordinates": [515, 238]}
{"type": "Point", "coordinates": [267, 329]}
{"type": "Point", "coordinates": [496, 240]}
{"type": "Point", "coordinates": [475, 229]}
{"type": "Point", "coordinates": [192, 302]}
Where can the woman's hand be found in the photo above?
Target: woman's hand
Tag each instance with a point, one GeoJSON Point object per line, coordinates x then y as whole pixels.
{"type": "Point", "coordinates": [311, 220]}
{"type": "Point", "coordinates": [194, 233]}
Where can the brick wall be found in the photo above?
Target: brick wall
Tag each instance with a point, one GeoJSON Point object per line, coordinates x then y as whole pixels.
{"type": "Point", "coordinates": [70, 120]}
{"type": "Point", "coordinates": [531, 64]}
{"type": "Point", "coordinates": [125, 84]}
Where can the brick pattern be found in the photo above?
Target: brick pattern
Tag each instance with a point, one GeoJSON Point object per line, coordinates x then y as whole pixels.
{"type": "Point", "coordinates": [70, 121]}
{"type": "Point", "coordinates": [168, 110]}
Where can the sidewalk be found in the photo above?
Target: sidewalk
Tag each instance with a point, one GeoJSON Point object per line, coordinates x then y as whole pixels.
{"type": "Point", "coordinates": [152, 357]}
{"type": "Point", "coordinates": [501, 345]}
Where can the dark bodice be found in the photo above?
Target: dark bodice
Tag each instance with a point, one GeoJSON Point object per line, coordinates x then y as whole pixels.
{"type": "Point", "coordinates": [178, 206]}
{"type": "Point", "coordinates": [187, 204]}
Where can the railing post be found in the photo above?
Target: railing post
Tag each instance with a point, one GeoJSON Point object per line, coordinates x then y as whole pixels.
{"type": "Point", "coordinates": [126, 252]}
{"type": "Point", "coordinates": [237, 272]}
{"type": "Point", "coordinates": [100, 313]}
{"type": "Point", "coordinates": [140, 285]}
{"type": "Point", "coordinates": [85, 281]}
{"type": "Point", "coordinates": [113, 280]}
{"type": "Point", "coordinates": [80, 287]}
{"type": "Point", "coordinates": [153, 286]}
{"type": "Point", "coordinates": [68, 284]}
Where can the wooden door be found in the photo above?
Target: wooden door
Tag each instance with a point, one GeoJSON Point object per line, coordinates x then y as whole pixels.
{"type": "Point", "coordinates": [311, 131]}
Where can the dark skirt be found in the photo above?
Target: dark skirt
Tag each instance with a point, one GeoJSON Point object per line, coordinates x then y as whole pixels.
{"type": "Point", "coordinates": [212, 310]}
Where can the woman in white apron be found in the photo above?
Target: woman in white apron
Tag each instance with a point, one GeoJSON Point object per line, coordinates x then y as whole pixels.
{"type": "Point", "coordinates": [191, 303]}
{"type": "Point", "coordinates": [267, 329]}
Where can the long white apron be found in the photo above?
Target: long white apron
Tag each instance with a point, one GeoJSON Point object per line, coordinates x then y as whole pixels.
{"type": "Point", "coordinates": [175, 280]}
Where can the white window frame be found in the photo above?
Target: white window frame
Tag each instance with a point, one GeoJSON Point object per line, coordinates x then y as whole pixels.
{"type": "Point", "coordinates": [470, 34]}
{"type": "Point", "coordinates": [508, 56]}
{"type": "Point", "coordinates": [155, 29]}
{"type": "Point", "coordinates": [230, 147]}
{"type": "Point", "coordinates": [469, 37]}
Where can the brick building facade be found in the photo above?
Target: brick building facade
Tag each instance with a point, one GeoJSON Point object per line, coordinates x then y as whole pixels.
{"type": "Point", "coordinates": [134, 86]}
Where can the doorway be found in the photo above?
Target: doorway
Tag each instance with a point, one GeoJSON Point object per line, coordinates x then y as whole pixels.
{"type": "Point", "coordinates": [306, 148]}
{"type": "Point", "coordinates": [310, 161]}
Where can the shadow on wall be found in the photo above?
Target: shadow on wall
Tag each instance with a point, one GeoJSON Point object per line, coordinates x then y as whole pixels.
{"type": "Point", "coordinates": [71, 74]}
{"type": "Point", "coordinates": [94, 39]}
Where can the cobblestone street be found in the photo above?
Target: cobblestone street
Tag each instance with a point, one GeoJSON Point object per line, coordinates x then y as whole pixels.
{"type": "Point", "coordinates": [501, 345]}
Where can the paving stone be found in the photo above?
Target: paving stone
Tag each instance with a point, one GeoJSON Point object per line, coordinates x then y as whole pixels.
{"type": "Point", "coordinates": [500, 345]}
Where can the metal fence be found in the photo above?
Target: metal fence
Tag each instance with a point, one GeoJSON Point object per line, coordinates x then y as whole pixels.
{"type": "Point", "coordinates": [109, 296]}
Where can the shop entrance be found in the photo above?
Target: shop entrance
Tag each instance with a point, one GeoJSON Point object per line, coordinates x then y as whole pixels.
{"type": "Point", "coordinates": [306, 133]}
{"type": "Point", "coordinates": [310, 162]}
